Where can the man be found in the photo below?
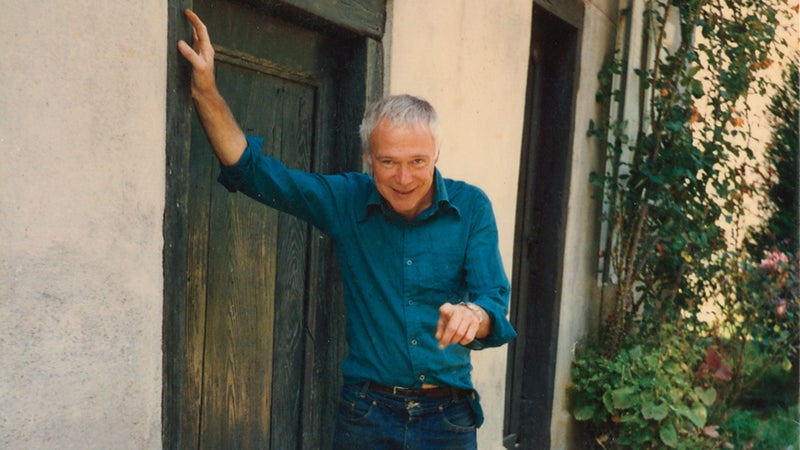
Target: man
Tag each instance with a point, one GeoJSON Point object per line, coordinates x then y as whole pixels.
{"type": "Point", "coordinates": [423, 279]}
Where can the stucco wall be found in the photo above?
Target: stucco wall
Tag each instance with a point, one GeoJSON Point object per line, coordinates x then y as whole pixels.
{"type": "Point", "coordinates": [469, 58]}
{"type": "Point", "coordinates": [82, 120]}
{"type": "Point", "coordinates": [579, 308]}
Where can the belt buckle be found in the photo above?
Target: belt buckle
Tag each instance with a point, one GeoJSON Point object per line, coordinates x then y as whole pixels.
{"type": "Point", "coordinates": [399, 390]}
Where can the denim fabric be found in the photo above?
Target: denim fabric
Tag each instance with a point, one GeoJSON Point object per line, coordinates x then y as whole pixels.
{"type": "Point", "coordinates": [372, 421]}
{"type": "Point", "coordinates": [396, 272]}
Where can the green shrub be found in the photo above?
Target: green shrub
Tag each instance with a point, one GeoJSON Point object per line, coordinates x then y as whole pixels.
{"type": "Point", "coordinates": [775, 385]}
{"type": "Point", "coordinates": [674, 190]}
{"type": "Point", "coordinates": [644, 396]}
{"type": "Point", "coordinates": [774, 428]}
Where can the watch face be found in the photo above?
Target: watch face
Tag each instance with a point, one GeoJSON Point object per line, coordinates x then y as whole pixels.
{"type": "Point", "coordinates": [475, 308]}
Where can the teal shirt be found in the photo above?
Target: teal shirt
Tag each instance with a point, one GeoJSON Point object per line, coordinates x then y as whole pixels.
{"type": "Point", "coordinates": [396, 272]}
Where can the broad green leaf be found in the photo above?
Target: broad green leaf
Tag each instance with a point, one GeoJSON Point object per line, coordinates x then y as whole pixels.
{"type": "Point", "coordinates": [623, 398]}
{"type": "Point", "coordinates": [699, 415]}
{"type": "Point", "coordinates": [584, 413]}
{"type": "Point", "coordinates": [651, 411]}
{"type": "Point", "coordinates": [668, 435]}
{"type": "Point", "coordinates": [607, 402]}
{"type": "Point", "coordinates": [696, 414]}
{"type": "Point", "coordinates": [707, 396]}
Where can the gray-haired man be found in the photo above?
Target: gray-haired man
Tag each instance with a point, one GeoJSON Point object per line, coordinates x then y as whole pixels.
{"type": "Point", "coordinates": [423, 279]}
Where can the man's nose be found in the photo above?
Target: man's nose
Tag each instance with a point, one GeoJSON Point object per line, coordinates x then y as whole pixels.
{"type": "Point", "coordinates": [403, 175]}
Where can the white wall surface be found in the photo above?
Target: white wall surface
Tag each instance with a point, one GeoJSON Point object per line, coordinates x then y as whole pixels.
{"type": "Point", "coordinates": [579, 301]}
{"type": "Point", "coordinates": [469, 58]}
{"type": "Point", "coordinates": [82, 123]}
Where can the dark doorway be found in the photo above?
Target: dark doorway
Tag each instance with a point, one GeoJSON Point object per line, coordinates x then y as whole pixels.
{"type": "Point", "coordinates": [539, 235]}
{"type": "Point", "coordinates": [253, 304]}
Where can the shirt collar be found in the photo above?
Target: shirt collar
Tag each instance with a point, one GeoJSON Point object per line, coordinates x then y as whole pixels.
{"type": "Point", "coordinates": [441, 201]}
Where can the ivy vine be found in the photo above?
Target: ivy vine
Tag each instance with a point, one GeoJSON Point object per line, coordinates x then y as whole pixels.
{"type": "Point", "coordinates": [678, 179]}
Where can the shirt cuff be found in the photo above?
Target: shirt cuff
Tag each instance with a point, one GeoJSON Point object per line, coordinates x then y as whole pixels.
{"type": "Point", "coordinates": [233, 177]}
{"type": "Point", "coordinates": [502, 330]}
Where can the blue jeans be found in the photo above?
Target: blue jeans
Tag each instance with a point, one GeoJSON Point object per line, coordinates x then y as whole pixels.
{"type": "Point", "coordinates": [370, 420]}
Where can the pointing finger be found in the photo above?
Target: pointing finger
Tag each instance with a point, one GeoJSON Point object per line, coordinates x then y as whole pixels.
{"type": "Point", "coordinates": [445, 313]}
{"type": "Point", "coordinates": [452, 327]}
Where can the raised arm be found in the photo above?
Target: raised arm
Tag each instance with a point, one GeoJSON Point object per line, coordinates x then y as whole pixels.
{"type": "Point", "coordinates": [224, 134]}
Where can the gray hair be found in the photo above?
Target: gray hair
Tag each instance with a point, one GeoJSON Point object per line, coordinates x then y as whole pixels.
{"type": "Point", "coordinates": [401, 109]}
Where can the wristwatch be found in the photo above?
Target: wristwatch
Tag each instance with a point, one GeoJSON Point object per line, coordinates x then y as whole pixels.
{"type": "Point", "coordinates": [475, 309]}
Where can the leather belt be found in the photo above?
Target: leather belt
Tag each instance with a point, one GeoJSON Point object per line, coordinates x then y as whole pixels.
{"type": "Point", "coordinates": [437, 392]}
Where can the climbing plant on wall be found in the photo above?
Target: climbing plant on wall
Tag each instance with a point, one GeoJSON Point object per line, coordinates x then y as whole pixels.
{"type": "Point", "coordinates": [687, 300]}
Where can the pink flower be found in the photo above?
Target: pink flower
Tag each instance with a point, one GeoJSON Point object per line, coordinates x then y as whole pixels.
{"type": "Point", "coordinates": [773, 260]}
{"type": "Point", "coordinates": [780, 310]}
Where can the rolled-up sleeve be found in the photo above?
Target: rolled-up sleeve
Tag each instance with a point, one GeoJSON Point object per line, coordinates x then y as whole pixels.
{"type": "Point", "coordinates": [487, 283]}
{"type": "Point", "coordinates": [233, 177]}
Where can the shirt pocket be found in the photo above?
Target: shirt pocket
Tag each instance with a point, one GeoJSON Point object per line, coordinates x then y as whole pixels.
{"type": "Point", "coordinates": [440, 275]}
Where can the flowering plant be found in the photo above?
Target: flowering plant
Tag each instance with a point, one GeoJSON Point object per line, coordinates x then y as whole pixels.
{"type": "Point", "coordinates": [692, 322]}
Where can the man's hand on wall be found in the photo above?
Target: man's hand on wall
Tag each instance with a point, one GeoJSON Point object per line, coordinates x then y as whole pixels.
{"type": "Point", "coordinates": [200, 55]}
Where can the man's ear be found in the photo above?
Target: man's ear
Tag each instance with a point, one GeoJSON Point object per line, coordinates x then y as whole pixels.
{"type": "Point", "coordinates": [367, 157]}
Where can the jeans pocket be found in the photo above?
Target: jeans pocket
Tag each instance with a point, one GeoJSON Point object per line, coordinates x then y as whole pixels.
{"type": "Point", "coordinates": [354, 407]}
{"type": "Point", "coordinates": [458, 416]}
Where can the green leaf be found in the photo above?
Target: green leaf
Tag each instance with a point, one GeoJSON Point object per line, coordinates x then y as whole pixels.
{"type": "Point", "coordinates": [607, 402]}
{"type": "Point", "coordinates": [673, 125]}
{"type": "Point", "coordinates": [697, 89]}
{"type": "Point", "coordinates": [668, 435]}
{"type": "Point", "coordinates": [707, 396]}
{"type": "Point", "coordinates": [697, 414]}
{"type": "Point", "coordinates": [651, 411]}
{"type": "Point", "coordinates": [584, 413]}
{"type": "Point", "coordinates": [623, 398]}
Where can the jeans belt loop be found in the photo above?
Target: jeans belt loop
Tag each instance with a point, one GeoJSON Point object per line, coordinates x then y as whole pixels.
{"type": "Point", "coordinates": [364, 389]}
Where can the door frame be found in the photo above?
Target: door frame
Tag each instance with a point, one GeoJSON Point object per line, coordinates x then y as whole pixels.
{"type": "Point", "coordinates": [358, 19]}
{"type": "Point", "coordinates": [532, 356]}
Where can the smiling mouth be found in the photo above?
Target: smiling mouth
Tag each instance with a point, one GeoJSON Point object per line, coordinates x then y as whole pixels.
{"type": "Point", "coordinates": [403, 193]}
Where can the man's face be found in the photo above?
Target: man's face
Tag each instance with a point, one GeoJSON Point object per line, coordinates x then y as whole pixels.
{"type": "Point", "coordinates": [403, 158]}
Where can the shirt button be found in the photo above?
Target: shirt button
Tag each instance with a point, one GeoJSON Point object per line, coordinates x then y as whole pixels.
{"type": "Point", "coordinates": [411, 302]}
{"type": "Point", "coordinates": [409, 262]}
{"type": "Point", "coordinates": [413, 342]}
{"type": "Point", "coordinates": [422, 378]}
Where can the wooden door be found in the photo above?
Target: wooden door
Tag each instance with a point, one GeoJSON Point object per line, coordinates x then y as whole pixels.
{"type": "Point", "coordinates": [539, 240]}
{"type": "Point", "coordinates": [264, 309]}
